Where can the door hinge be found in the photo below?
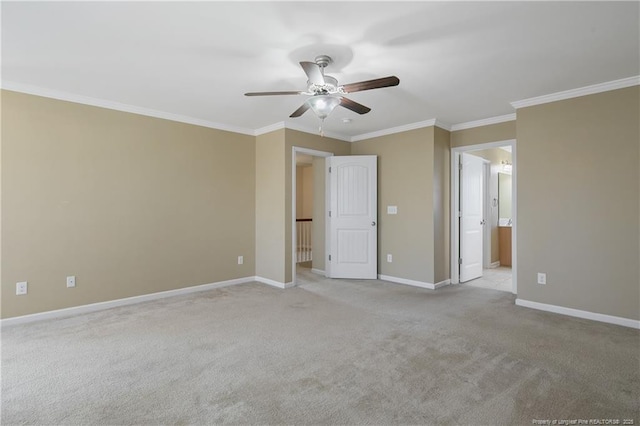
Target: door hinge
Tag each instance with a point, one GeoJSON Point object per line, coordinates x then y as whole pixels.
{"type": "Point", "coordinates": [460, 261]}
{"type": "Point", "coordinates": [329, 213]}
{"type": "Point", "coordinates": [329, 169]}
{"type": "Point", "coordinates": [460, 166]}
{"type": "Point", "coordinates": [459, 214]}
{"type": "Point", "coordinates": [329, 258]}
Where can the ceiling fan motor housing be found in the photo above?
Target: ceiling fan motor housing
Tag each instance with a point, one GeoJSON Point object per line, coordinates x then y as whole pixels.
{"type": "Point", "coordinates": [329, 87]}
{"type": "Point", "coordinates": [323, 60]}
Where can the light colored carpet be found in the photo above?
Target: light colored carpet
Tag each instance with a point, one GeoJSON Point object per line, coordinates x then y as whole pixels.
{"type": "Point", "coordinates": [326, 352]}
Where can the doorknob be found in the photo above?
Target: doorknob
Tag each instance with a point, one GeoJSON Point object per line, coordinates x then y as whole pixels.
{"type": "Point", "coordinates": [373, 224]}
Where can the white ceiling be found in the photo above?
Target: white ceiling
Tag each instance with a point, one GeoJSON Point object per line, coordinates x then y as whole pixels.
{"type": "Point", "coordinates": [457, 61]}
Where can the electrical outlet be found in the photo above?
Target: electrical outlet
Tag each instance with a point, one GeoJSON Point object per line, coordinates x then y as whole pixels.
{"type": "Point", "coordinates": [389, 258]}
{"type": "Point", "coordinates": [240, 260]}
{"type": "Point", "coordinates": [21, 288]}
{"type": "Point", "coordinates": [542, 278]}
{"type": "Point", "coordinates": [71, 282]}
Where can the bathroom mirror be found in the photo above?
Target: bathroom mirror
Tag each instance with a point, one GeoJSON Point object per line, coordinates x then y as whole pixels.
{"type": "Point", "coordinates": [504, 198]}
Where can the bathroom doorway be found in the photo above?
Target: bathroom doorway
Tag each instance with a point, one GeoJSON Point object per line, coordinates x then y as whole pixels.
{"type": "Point", "coordinates": [497, 192]}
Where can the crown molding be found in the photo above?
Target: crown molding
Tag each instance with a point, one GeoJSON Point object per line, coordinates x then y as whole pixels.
{"type": "Point", "coordinates": [442, 125]}
{"type": "Point", "coordinates": [582, 91]}
{"type": "Point", "coordinates": [268, 129]}
{"type": "Point", "coordinates": [392, 130]}
{"type": "Point", "coordinates": [304, 129]}
{"type": "Point", "coordinates": [102, 103]}
{"type": "Point", "coordinates": [483, 122]}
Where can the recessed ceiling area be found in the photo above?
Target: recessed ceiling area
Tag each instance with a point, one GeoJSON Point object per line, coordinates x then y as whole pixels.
{"type": "Point", "coordinates": [456, 61]}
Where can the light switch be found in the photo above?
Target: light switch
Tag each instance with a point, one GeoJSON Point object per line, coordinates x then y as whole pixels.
{"type": "Point", "coordinates": [392, 209]}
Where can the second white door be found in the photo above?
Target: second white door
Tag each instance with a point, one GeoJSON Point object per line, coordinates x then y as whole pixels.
{"type": "Point", "coordinates": [471, 216]}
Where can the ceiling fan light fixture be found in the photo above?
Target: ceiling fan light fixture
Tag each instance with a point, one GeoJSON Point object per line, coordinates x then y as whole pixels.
{"type": "Point", "coordinates": [323, 105]}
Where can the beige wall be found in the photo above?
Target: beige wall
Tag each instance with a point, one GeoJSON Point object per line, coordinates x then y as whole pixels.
{"type": "Point", "coordinates": [299, 192]}
{"type": "Point", "coordinates": [304, 191]}
{"type": "Point", "coordinates": [128, 204]}
{"type": "Point", "coordinates": [310, 141]}
{"type": "Point", "coordinates": [578, 203]}
{"type": "Point", "coordinates": [484, 134]}
{"type": "Point", "coordinates": [406, 180]}
{"type": "Point", "coordinates": [270, 206]}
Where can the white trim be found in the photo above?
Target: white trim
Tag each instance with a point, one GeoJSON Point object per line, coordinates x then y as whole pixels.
{"type": "Point", "coordinates": [392, 130]}
{"type": "Point", "coordinates": [625, 322]}
{"type": "Point", "coordinates": [494, 265]}
{"type": "Point", "coordinates": [268, 281]}
{"type": "Point", "coordinates": [442, 125]}
{"type": "Point", "coordinates": [413, 283]}
{"type": "Point", "coordinates": [486, 214]}
{"type": "Point", "coordinates": [294, 126]}
{"type": "Point", "coordinates": [574, 93]}
{"type": "Point", "coordinates": [303, 129]}
{"type": "Point", "coordinates": [484, 122]}
{"type": "Point", "coordinates": [99, 306]}
{"type": "Point", "coordinates": [442, 284]}
{"type": "Point", "coordinates": [318, 271]}
{"type": "Point", "coordinates": [268, 129]}
{"type": "Point", "coordinates": [117, 106]}
{"type": "Point", "coordinates": [273, 283]}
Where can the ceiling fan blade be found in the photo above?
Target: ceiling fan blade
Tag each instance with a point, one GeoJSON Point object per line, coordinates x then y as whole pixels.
{"type": "Point", "coordinates": [313, 72]}
{"type": "Point", "coordinates": [371, 84]}
{"type": "Point", "coordinates": [354, 106]}
{"type": "Point", "coordinates": [272, 93]}
{"type": "Point", "coordinates": [303, 108]}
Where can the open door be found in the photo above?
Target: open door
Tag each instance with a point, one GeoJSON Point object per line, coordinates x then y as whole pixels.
{"type": "Point", "coordinates": [471, 216]}
{"type": "Point", "coordinates": [352, 237]}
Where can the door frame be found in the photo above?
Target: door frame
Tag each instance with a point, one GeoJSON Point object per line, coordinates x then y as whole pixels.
{"type": "Point", "coordinates": [486, 231]}
{"type": "Point", "coordinates": [455, 207]}
{"type": "Point", "coordinates": [315, 153]}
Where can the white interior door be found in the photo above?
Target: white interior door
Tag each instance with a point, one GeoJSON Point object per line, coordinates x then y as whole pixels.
{"type": "Point", "coordinates": [352, 237]}
{"type": "Point", "coordinates": [471, 216]}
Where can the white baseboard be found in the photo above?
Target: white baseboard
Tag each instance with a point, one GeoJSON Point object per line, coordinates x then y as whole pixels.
{"type": "Point", "coordinates": [318, 271]}
{"type": "Point", "coordinates": [494, 265]}
{"type": "Point", "coordinates": [273, 283]}
{"type": "Point", "coordinates": [414, 283]}
{"type": "Point", "coordinates": [626, 322]}
{"type": "Point", "coordinates": [442, 284]}
{"type": "Point", "coordinates": [99, 306]}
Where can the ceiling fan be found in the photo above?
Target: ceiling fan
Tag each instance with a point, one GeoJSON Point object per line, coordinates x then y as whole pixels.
{"type": "Point", "coordinates": [325, 92]}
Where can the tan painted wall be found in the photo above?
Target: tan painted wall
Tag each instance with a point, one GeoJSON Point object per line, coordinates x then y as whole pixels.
{"type": "Point", "coordinates": [128, 204]}
{"type": "Point", "coordinates": [578, 203]}
{"type": "Point", "coordinates": [270, 206]}
{"type": "Point", "coordinates": [318, 231]}
{"type": "Point", "coordinates": [302, 140]}
{"type": "Point", "coordinates": [406, 180]}
{"type": "Point", "coordinates": [495, 156]}
{"type": "Point", "coordinates": [304, 191]}
{"type": "Point", "coordinates": [484, 134]}
{"type": "Point", "coordinates": [441, 204]}
{"type": "Point", "coordinates": [299, 192]}
{"type": "Point", "coordinates": [307, 192]}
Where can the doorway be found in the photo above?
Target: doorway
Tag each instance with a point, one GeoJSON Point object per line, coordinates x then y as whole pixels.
{"type": "Point", "coordinates": [498, 188]}
{"type": "Point", "coordinates": [308, 218]}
